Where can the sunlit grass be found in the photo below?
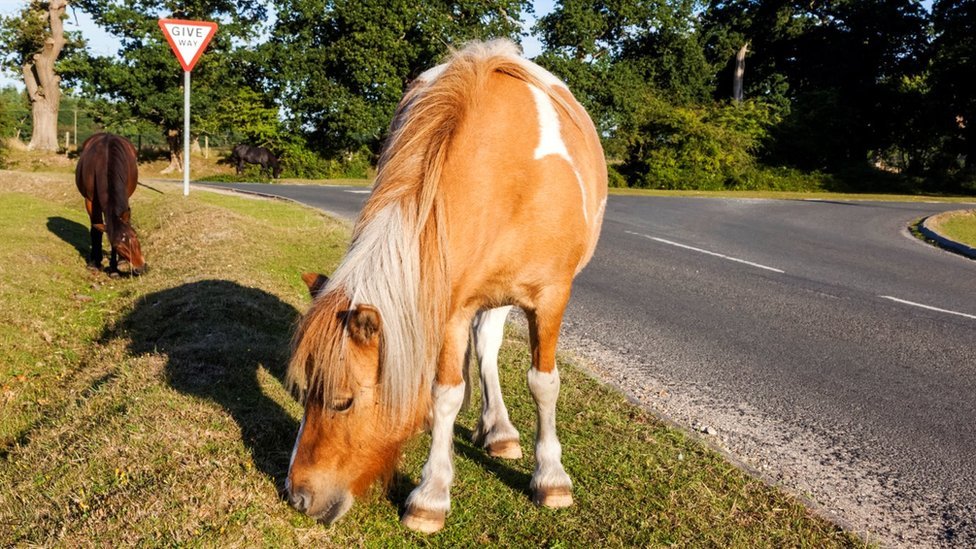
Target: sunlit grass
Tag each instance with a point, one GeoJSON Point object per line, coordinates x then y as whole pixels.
{"type": "Point", "coordinates": [959, 226]}
{"type": "Point", "coordinates": [150, 410]}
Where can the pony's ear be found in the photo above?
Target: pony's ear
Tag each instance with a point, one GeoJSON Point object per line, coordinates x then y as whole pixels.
{"type": "Point", "coordinates": [315, 282]}
{"type": "Point", "coordinates": [364, 324]}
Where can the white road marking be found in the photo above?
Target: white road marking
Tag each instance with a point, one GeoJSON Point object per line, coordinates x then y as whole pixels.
{"type": "Point", "coordinates": [716, 254]}
{"type": "Point", "coordinates": [359, 192]}
{"type": "Point", "coordinates": [929, 307]}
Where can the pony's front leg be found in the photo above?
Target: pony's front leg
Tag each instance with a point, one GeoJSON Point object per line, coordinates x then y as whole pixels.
{"type": "Point", "coordinates": [95, 257]}
{"type": "Point", "coordinates": [113, 261]}
{"type": "Point", "coordinates": [550, 484]}
{"type": "Point", "coordinates": [429, 503]}
{"type": "Point", "coordinates": [494, 431]}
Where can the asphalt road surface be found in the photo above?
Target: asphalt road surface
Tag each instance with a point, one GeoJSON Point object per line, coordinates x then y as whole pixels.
{"type": "Point", "coordinates": [833, 353]}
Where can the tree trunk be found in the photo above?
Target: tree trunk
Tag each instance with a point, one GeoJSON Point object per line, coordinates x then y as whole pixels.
{"type": "Point", "coordinates": [44, 85]}
{"type": "Point", "coordinates": [175, 143]}
{"type": "Point", "coordinates": [739, 73]}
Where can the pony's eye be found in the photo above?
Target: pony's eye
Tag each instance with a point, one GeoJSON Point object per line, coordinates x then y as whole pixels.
{"type": "Point", "coordinates": [341, 404]}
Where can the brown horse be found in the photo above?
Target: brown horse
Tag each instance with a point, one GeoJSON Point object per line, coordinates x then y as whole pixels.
{"type": "Point", "coordinates": [490, 192]}
{"type": "Point", "coordinates": [106, 175]}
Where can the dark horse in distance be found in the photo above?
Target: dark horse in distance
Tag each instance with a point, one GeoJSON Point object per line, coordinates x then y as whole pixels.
{"type": "Point", "coordinates": [106, 176]}
{"type": "Point", "coordinates": [255, 155]}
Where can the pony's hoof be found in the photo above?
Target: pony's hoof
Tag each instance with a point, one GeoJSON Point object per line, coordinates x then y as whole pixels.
{"type": "Point", "coordinates": [556, 497]}
{"type": "Point", "coordinates": [422, 520]}
{"type": "Point", "coordinates": [505, 449]}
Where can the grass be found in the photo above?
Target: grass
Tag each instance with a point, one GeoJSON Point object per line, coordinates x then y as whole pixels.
{"type": "Point", "coordinates": [150, 410]}
{"type": "Point", "coordinates": [959, 226]}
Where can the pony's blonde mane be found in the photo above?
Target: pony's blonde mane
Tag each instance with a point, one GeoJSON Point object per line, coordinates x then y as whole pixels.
{"type": "Point", "coordinates": [396, 261]}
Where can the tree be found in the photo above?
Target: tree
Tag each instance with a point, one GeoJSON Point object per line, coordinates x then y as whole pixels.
{"type": "Point", "coordinates": [145, 80]}
{"type": "Point", "coordinates": [34, 40]}
{"type": "Point", "coordinates": [953, 91]}
{"type": "Point", "coordinates": [838, 65]}
{"type": "Point", "coordinates": [341, 66]}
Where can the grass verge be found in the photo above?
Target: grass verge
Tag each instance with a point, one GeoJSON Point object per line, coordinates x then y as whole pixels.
{"type": "Point", "coordinates": [150, 410]}
{"type": "Point", "coordinates": [959, 226]}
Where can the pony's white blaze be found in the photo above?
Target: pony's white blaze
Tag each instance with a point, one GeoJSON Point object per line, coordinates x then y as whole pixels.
{"type": "Point", "coordinates": [551, 139]}
{"type": "Point", "coordinates": [294, 450]}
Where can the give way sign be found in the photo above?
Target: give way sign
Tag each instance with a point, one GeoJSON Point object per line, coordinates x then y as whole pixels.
{"type": "Point", "coordinates": [188, 39]}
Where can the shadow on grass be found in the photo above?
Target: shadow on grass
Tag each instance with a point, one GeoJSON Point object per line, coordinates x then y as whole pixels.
{"type": "Point", "coordinates": [216, 335]}
{"type": "Point", "coordinates": [516, 480]}
{"type": "Point", "coordinates": [72, 232]}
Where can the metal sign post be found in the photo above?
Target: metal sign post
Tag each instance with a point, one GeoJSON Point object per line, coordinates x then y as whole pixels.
{"type": "Point", "coordinates": [187, 39]}
{"type": "Point", "coordinates": [186, 133]}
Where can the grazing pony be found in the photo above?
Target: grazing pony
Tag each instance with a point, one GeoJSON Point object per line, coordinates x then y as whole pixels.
{"type": "Point", "coordinates": [255, 155]}
{"type": "Point", "coordinates": [490, 192]}
{"type": "Point", "coordinates": [494, 430]}
{"type": "Point", "coordinates": [107, 175]}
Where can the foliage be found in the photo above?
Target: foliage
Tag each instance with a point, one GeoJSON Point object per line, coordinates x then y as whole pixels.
{"type": "Point", "coordinates": [145, 80]}
{"type": "Point", "coordinates": [953, 90]}
{"type": "Point", "coordinates": [300, 162]}
{"type": "Point", "coordinates": [341, 66]}
{"type": "Point", "coordinates": [686, 147]}
{"type": "Point", "coordinates": [13, 110]}
{"type": "Point", "coordinates": [22, 35]}
{"type": "Point", "coordinates": [247, 115]}
{"type": "Point", "coordinates": [870, 93]}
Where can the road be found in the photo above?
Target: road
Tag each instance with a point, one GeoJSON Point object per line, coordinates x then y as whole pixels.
{"type": "Point", "coordinates": [833, 353]}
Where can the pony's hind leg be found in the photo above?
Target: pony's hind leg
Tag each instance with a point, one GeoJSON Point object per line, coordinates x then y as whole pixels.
{"type": "Point", "coordinates": [429, 503]}
{"type": "Point", "coordinates": [494, 431]}
{"type": "Point", "coordinates": [551, 486]}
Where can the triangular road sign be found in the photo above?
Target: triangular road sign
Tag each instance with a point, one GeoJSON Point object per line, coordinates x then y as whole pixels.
{"type": "Point", "coordinates": [188, 39]}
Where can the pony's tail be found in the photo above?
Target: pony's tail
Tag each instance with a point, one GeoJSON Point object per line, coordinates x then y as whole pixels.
{"type": "Point", "coordinates": [118, 169]}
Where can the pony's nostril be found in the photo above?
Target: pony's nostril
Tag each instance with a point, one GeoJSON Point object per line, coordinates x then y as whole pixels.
{"type": "Point", "coordinates": [299, 499]}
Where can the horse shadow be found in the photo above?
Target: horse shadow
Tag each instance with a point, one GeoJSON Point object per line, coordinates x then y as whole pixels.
{"type": "Point", "coordinates": [223, 342]}
{"type": "Point", "coordinates": [71, 232]}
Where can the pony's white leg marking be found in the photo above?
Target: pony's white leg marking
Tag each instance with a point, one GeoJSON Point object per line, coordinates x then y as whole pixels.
{"type": "Point", "coordinates": [551, 139]}
{"type": "Point", "coordinates": [550, 484]}
{"type": "Point", "coordinates": [429, 502]}
{"type": "Point", "coordinates": [494, 430]}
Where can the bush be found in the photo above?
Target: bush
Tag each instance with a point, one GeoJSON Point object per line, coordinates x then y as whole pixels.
{"type": "Point", "coordinates": [615, 179]}
{"type": "Point", "coordinates": [696, 147]}
{"type": "Point", "coordinates": [298, 161]}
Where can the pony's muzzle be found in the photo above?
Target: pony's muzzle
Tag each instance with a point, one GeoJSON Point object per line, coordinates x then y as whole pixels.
{"type": "Point", "coordinates": [300, 500]}
{"type": "Point", "coordinates": [326, 509]}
